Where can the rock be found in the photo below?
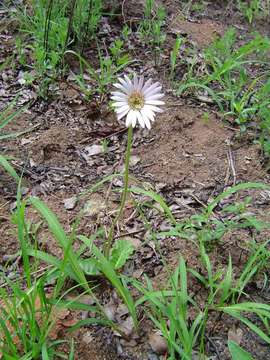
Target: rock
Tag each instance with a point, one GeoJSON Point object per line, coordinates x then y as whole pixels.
{"type": "Point", "coordinates": [134, 160]}
{"type": "Point", "coordinates": [158, 343]}
{"type": "Point", "coordinates": [110, 310]}
{"type": "Point", "coordinates": [94, 206]}
{"type": "Point", "coordinates": [236, 335]}
{"type": "Point", "coordinates": [87, 337]}
{"type": "Point", "coordinates": [152, 356]}
{"type": "Point", "coordinates": [127, 327]}
{"type": "Point", "coordinates": [93, 150]}
{"type": "Point", "coordinates": [70, 203]}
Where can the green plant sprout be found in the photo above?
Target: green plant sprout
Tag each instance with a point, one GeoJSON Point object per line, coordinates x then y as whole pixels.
{"type": "Point", "coordinates": [254, 9]}
{"type": "Point", "coordinates": [109, 67]}
{"type": "Point", "coordinates": [150, 28]}
{"type": "Point", "coordinates": [174, 55]}
{"type": "Point", "coordinates": [126, 32]}
{"type": "Point", "coordinates": [6, 116]}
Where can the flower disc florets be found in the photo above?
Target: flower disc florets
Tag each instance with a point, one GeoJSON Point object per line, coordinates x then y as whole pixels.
{"type": "Point", "coordinates": [137, 100]}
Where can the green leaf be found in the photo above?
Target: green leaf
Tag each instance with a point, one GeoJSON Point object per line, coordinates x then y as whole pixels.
{"type": "Point", "coordinates": [257, 308]}
{"type": "Point", "coordinates": [106, 267]}
{"type": "Point", "coordinates": [9, 169]}
{"type": "Point", "coordinates": [226, 284]}
{"type": "Point", "coordinates": [121, 252]}
{"type": "Point", "coordinates": [232, 190]}
{"type": "Point", "coordinates": [89, 267]}
{"type": "Point", "coordinates": [158, 198]}
{"type": "Point", "coordinates": [237, 352]}
{"type": "Point", "coordinates": [57, 230]}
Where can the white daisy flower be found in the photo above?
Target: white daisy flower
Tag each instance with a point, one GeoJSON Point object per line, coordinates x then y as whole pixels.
{"type": "Point", "coordinates": [137, 100]}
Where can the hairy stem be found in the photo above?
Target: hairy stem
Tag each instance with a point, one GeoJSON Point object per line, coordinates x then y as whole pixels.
{"type": "Point", "coordinates": [109, 241]}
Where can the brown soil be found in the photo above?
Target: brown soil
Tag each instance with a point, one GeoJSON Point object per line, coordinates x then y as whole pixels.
{"type": "Point", "coordinates": [188, 148]}
{"type": "Point", "coordinates": [192, 148]}
{"type": "Point", "coordinates": [202, 33]}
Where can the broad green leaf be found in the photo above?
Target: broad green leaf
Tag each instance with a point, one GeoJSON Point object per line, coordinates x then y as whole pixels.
{"type": "Point", "coordinates": [250, 324]}
{"type": "Point", "coordinates": [121, 252]}
{"type": "Point", "coordinates": [226, 284]}
{"type": "Point", "coordinates": [89, 267]}
{"type": "Point", "coordinates": [237, 352]}
{"type": "Point", "coordinates": [106, 267]}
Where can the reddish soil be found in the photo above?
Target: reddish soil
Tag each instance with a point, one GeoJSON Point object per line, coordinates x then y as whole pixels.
{"type": "Point", "coordinates": [202, 33]}
{"type": "Point", "coordinates": [192, 148]}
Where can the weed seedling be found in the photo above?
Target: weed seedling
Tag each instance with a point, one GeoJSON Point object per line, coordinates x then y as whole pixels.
{"type": "Point", "coordinates": [250, 10]}
{"type": "Point", "coordinates": [126, 32]}
{"type": "Point", "coordinates": [226, 79]}
{"type": "Point", "coordinates": [174, 55]}
{"type": "Point", "coordinates": [150, 28]}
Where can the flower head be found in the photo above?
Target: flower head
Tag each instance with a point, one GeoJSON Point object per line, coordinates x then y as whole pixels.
{"type": "Point", "coordinates": [137, 100]}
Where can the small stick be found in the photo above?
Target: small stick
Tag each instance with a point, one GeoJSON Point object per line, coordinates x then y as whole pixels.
{"type": "Point", "coordinates": [123, 13]}
{"type": "Point", "coordinates": [214, 346]}
{"type": "Point", "coordinates": [231, 161]}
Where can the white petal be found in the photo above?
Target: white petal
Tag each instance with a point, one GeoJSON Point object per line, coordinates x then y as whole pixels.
{"type": "Point", "coordinates": [148, 113]}
{"type": "Point", "coordinates": [123, 82]}
{"type": "Point", "coordinates": [152, 89]}
{"type": "Point", "coordinates": [128, 82]}
{"type": "Point", "coordinates": [121, 115]}
{"type": "Point", "coordinates": [134, 118]}
{"type": "Point", "coordinates": [152, 86]}
{"type": "Point", "coordinates": [122, 97]}
{"type": "Point", "coordinates": [154, 97]}
{"type": "Point", "coordinates": [121, 109]}
{"type": "Point", "coordinates": [141, 119]}
{"type": "Point", "coordinates": [122, 88]}
{"type": "Point", "coordinates": [145, 120]}
{"type": "Point", "coordinates": [129, 118]}
{"type": "Point", "coordinates": [119, 104]}
{"type": "Point", "coordinates": [119, 98]}
{"type": "Point", "coordinates": [140, 84]}
{"type": "Point", "coordinates": [154, 102]}
{"type": "Point", "coordinates": [153, 108]}
{"type": "Point", "coordinates": [147, 85]}
{"type": "Point", "coordinates": [118, 93]}
{"type": "Point", "coordinates": [135, 81]}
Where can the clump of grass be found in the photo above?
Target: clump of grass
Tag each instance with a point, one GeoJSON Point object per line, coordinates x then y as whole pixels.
{"type": "Point", "coordinates": [226, 79]}
{"type": "Point", "coordinates": [254, 9]}
{"type": "Point", "coordinates": [6, 116]}
{"type": "Point", "coordinates": [105, 75]}
{"type": "Point", "coordinates": [26, 310]}
{"type": "Point", "coordinates": [50, 28]}
{"type": "Point", "coordinates": [150, 28]}
{"type": "Point", "coordinates": [174, 55]}
{"type": "Point", "coordinates": [169, 309]}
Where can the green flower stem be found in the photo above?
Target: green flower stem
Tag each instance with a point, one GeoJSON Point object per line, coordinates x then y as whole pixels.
{"type": "Point", "coordinates": [109, 241]}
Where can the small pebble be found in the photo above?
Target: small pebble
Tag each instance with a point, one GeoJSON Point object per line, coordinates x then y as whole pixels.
{"type": "Point", "coordinates": [158, 343]}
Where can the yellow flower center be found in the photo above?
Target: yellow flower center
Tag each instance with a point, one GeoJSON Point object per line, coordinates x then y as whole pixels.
{"type": "Point", "coordinates": [136, 100]}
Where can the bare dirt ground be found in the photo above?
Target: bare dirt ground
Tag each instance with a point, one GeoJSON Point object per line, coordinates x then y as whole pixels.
{"type": "Point", "coordinates": [185, 153]}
